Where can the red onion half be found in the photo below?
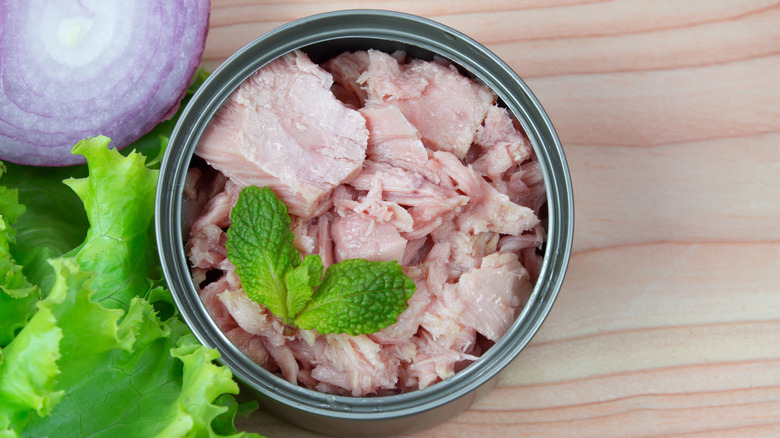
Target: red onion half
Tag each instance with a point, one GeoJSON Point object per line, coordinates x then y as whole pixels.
{"type": "Point", "coordinates": [71, 69]}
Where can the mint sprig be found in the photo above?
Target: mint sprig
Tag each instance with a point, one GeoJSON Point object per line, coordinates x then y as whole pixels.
{"type": "Point", "coordinates": [354, 296]}
{"type": "Point", "coordinates": [260, 246]}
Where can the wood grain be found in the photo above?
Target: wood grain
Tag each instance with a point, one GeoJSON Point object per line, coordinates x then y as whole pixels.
{"type": "Point", "coordinates": [668, 323]}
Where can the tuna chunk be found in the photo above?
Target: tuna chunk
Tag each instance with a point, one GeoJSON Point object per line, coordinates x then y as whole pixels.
{"type": "Point", "coordinates": [354, 364]}
{"type": "Point", "coordinates": [488, 209]}
{"type": "Point", "coordinates": [437, 358]}
{"type": "Point", "coordinates": [502, 146]}
{"type": "Point", "coordinates": [373, 206]}
{"type": "Point", "coordinates": [346, 69]}
{"type": "Point", "coordinates": [445, 106]}
{"type": "Point", "coordinates": [207, 241]}
{"type": "Point", "coordinates": [249, 315]}
{"type": "Point", "coordinates": [313, 236]}
{"type": "Point", "coordinates": [384, 80]}
{"type": "Point", "coordinates": [356, 237]}
{"type": "Point", "coordinates": [428, 204]}
{"type": "Point", "coordinates": [526, 186]}
{"type": "Point", "coordinates": [198, 191]}
{"type": "Point", "coordinates": [253, 347]}
{"type": "Point", "coordinates": [284, 129]}
{"type": "Point", "coordinates": [443, 341]}
{"type": "Point", "coordinates": [392, 139]}
{"type": "Point", "coordinates": [210, 298]}
{"type": "Point", "coordinates": [493, 293]}
{"type": "Point", "coordinates": [463, 250]}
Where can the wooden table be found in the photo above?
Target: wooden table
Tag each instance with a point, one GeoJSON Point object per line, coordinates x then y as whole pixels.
{"type": "Point", "coordinates": [668, 322]}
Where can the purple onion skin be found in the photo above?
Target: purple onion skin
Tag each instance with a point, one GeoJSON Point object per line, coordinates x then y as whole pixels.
{"type": "Point", "coordinates": [50, 99]}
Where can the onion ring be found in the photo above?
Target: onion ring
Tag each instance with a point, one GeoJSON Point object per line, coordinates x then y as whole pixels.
{"type": "Point", "coordinates": [71, 69]}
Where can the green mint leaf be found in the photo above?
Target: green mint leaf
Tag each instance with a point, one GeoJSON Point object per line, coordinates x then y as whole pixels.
{"type": "Point", "coordinates": [260, 246]}
{"type": "Point", "coordinates": [357, 297]}
{"type": "Point", "coordinates": [301, 282]}
{"type": "Point", "coordinates": [354, 297]}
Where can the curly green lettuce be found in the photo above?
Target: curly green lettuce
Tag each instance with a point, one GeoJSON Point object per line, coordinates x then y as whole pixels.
{"type": "Point", "coordinates": [92, 355]}
{"type": "Point", "coordinates": [81, 369]}
{"type": "Point", "coordinates": [118, 196]}
{"type": "Point", "coordinates": [17, 295]}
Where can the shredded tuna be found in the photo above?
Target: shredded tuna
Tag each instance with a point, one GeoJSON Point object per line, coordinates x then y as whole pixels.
{"type": "Point", "coordinates": [383, 158]}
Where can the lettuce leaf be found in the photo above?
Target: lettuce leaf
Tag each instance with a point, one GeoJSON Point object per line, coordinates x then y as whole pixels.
{"type": "Point", "coordinates": [27, 373]}
{"type": "Point", "coordinates": [118, 374]}
{"type": "Point", "coordinates": [118, 196]}
{"type": "Point", "coordinates": [126, 373]}
{"type": "Point", "coordinates": [17, 295]}
{"type": "Point", "coordinates": [54, 221]}
{"type": "Point", "coordinates": [95, 357]}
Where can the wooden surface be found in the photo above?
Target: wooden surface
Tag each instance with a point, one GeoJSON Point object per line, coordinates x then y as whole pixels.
{"type": "Point", "coordinates": [668, 322]}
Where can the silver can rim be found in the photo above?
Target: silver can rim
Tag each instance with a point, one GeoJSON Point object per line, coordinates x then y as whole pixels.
{"type": "Point", "coordinates": [405, 29]}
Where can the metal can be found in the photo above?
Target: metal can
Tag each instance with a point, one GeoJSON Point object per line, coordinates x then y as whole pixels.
{"type": "Point", "coordinates": [322, 37]}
